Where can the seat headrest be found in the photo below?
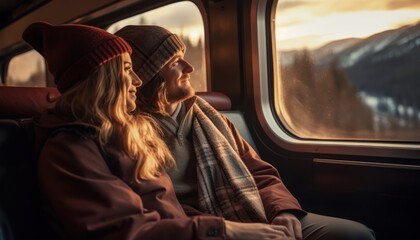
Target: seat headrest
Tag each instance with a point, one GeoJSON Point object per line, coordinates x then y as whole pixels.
{"type": "Point", "coordinates": [218, 100]}
{"type": "Point", "coordinates": [26, 102]}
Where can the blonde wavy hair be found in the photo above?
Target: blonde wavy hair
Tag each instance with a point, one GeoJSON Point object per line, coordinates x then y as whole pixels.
{"type": "Point", "coordinates": [100, 100]}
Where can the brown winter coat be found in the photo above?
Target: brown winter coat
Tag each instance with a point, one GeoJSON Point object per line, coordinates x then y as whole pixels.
{"type": "Point", "coordinates": [90, 193]}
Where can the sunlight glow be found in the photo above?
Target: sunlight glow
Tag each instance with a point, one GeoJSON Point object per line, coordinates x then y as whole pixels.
{"type": "Point", "coordinates": [33, 63]}
{"type": "Point", "coordinates": [309, 31]}
{"type": "Point", "coordinates": [190, 24]}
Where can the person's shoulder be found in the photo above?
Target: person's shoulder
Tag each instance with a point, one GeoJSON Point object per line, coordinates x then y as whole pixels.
{"type": "Point", "coordinates": [82, 131]}
{"type": "Point", "coordinates": [50, 125]}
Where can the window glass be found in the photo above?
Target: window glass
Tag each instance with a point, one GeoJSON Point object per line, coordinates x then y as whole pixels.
{"type": "Point", "coordinates": [183, 19]}
{"type": "Point", "coordinates": [348, 69]}
{"type": "Point", "coordinates": [26, 69]}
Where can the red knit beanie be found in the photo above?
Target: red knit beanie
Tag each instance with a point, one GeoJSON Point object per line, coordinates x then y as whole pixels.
{"type": "Point", "coordinates": [153, 47]}
{"type": "Point", "coordinates": [73, 51]}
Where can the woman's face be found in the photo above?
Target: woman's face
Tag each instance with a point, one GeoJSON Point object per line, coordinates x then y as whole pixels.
{"type": "Point", "coordinates": [132, 82]}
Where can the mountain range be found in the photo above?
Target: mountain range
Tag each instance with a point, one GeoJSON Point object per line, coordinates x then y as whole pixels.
{"type": "Point", "coordinates": [386, 64]}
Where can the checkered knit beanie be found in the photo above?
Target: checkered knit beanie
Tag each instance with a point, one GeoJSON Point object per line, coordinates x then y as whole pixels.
{"type": "Point", "coordinates": [73, 51]}
{"type": "Point", "coordinates": [153, 47]}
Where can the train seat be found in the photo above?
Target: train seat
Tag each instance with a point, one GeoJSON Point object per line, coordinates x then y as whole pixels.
{"type": "Point", "coordinates": [222, 103]}
{"type": "Point", "coordinates": [238, 119]}
{"type": "Point", "coordinates": [25, 102]}
{"type": "Point", "coordinates": [20, 212]}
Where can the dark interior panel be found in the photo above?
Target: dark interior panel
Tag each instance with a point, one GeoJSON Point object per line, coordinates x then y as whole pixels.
{"type": "Point", "coordinates": [383, 196]}
{"type": "Point", "coordinates": [11, 10]}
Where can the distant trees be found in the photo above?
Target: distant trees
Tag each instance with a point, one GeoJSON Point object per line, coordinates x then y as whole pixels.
{"type": "Point", "coordinates": [322, 103]}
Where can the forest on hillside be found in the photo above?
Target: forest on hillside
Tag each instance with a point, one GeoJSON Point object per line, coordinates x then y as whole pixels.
{"type": "Point", "coordinates": [362, 88]}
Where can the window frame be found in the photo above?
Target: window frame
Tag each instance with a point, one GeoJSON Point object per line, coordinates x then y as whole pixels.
{"type": "Point", "coordinates": [274, 126]}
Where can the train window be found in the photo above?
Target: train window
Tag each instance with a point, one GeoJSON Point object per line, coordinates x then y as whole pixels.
{"type": "Point", "coordinates": [348, 70]}
{"type": "Point", "coordinates": [26, 69]}
{"type": "Point", "coordinates": [183, 19]}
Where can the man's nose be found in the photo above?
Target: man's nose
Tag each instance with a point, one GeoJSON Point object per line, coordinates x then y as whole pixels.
{"type": "Point", "coordinates": [187, 67]}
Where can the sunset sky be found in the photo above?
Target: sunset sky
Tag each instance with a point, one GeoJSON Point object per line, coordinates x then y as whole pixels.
{"type": "Point", "coordinates": [312, 23]}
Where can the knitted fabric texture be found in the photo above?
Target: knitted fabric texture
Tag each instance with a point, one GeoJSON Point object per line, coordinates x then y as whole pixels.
{"type": "Point", "coordinates": [73, 51]}
{"type": "Point", "coordinates": [226, 188]}
{"type": "Point", "coordinates": [153, 47]}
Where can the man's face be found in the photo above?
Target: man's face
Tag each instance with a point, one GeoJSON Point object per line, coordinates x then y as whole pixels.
{"type": "Point", "coordinates": [177, 77]}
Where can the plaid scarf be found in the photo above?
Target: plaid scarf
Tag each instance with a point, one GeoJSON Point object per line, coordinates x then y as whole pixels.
{"type": "Point", "coordinates": [225, 186]}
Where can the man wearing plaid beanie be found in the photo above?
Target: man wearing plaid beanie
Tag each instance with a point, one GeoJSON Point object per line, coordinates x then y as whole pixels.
{"type": "Point", "coordinates": [217, 172]}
